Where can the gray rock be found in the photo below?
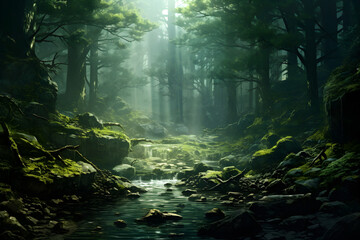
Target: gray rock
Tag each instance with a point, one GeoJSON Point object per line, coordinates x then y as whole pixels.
{"type": "Point", "coordinates": [311, 185]}
{"type": "Point", "coordinates": [86, 167]}
{"type": "Point", "coordinates": [125, 170]}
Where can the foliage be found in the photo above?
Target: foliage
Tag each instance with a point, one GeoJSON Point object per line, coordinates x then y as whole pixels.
{"type": "Point", "coordinates": [348, 165]}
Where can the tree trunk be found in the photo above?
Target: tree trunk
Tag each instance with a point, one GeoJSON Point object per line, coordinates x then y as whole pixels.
{"type": "Point", "coordinates": [330, 43]}
{"type": "Point", "coordinates": [310, 54]}
{"type": "Point", "coordinates": [232, 101]}
{"type": "Point", "coordinates": [251, 96]}
{"type": "Point", "coordinates": [76, 72]}
{"type": "Point", "coordinates": [264, 72]}
{"type": "Point", "coordinates": [172, 78]}
{"type": "Point", "coordinates": [347, 15]}
{"type": "Point", "coordinates": [94, 65]}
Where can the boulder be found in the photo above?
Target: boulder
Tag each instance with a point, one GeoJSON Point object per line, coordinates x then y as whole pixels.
{"type": "Point", "coordinates": [125, 170]}
{"type": "Point", "coordinates": [201, 167]}
{"type": "Point", "coordinates": [266, 159]}
{"type": "Point", "coordinates": [240, 224]}
{"type": "Point", "coordinates": [215, 214]}
{"type": "Point", "coordinates": [89, 120]}
{"type": "Point", "coordinates": [276, 186]}
{"type": "Point", "coordinates": [188, 192]}
{"type": "Point", "coordinates": [156, 217]}
{"type": "Point", "coordinates": [230, 160]}
{"type": "Point", "coordinates": [347, 227]}
{"type": "Point", "coordinates": [283, 206]}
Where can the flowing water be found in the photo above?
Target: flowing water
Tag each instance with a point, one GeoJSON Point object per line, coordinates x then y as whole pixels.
{"type": "Point", "coordinates": [128, 210]}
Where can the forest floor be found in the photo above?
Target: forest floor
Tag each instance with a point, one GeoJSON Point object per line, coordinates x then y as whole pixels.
{"type": "Point", "coordinates": [277, 186]}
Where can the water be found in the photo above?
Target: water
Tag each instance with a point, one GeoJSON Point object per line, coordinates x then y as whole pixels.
{"type": "Point", "coordinates": [104, 215]}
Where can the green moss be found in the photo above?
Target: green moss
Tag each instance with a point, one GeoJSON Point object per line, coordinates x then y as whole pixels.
{"type": "Point", "coordinates": [108, 132]}
{"type": "Point", "coordinates": [46, 171]}
{"type": "Point", "coordinates": [343, 80]}
{"type": "Point", "coordinates": [320, 134]}
{"type": "Point", "coordinates": [229, 172]}
{"type": "Point", "coordinates": [264, 152]}
{"type": "Point", "coordinates": [336, 171]}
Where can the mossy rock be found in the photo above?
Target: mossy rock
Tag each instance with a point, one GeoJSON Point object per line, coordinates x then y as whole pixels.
{"type": "Point", "coordinates": [229, 172]}
{"type": "Point", "coordinates": [338, 170]}
{"type": "Point", "coordinates": [266, 159]}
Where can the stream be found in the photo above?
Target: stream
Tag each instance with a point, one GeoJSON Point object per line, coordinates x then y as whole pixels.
{"type": "Point", "coordinates": [193, 214]}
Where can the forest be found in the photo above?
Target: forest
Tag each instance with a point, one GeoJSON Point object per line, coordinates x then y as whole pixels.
{"type": "Point", "coordinates": [180, 119]}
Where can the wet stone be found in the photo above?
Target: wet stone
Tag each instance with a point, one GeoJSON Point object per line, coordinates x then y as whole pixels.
{"type": "Point", "coordinates": [188, 192]}
{"type": "Point", "coordinates": [120, 223]}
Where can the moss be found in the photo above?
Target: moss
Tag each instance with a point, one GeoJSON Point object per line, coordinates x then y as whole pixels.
{"type": "Point", "coordinates": [229, 172]}
{"type": "Point", "coordinates": [264, 152]}
{"type": "Point", "coordinates": [108, 132]}
{"type": "Point", "coordinates": [343, 80]}
{"type": "Point", "coordinates": [46, 171]}
{"type": "Point", "coordinates": [320, 134]}
{"type": "Point", "coordinates": [334, 150]}
{"type": "Point", "coordinates": [336, 171]}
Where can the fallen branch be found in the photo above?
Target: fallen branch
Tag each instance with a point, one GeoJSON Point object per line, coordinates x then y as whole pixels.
{"type": "Point", "coordinates": [92, 164]}
{"type": "Point", "coordinates": [321, 156]}
{"type": "Point", "coordinates": [67, 147]}
{"type": "Point", "coordinates": [40, 117]}
{"type": "Point", "coordinates": [136, 141]}
{"type": "Point", "coordinates": [231, 179]}
{"type": "Point", "coordinates": [111, 124]}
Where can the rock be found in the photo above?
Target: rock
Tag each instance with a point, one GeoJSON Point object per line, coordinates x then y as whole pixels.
{"type": "Point", "coordinates": [151, 130]}
{"type": "Point", "coordinates": [61, 227]}
{"type": "Point", "coordinates": [270, 139]}
{"type": "Point", "coordinates": [266, 159]}
{"type": "Point", "coordinates": [176, 235]}
{"type": "Point", "coordinates": [195, 197]}
{"type": "Point", "coordinates": [120, 223]}
{"type": "Point", "coordinates": [89, 120]}
{"type": "Point", "coordinates": [13, 206]}
{"type": "Point", "coordinates": [31, 220]}
{"type": "Point", "coordinates": [86, 167]}
{"type": "Point", "coordinates": [8, 235]}
{"type": "Point", "coordinates": [296, 223]}
{"type": "Point", "coordinates": [155, 217]}
{"type": "Point", "coordinates": [336, 208]}
{"type": "Point", "coordinates": [97, 229]}
{"type": "Point", "coordinates": [229, 171]}
{"type": "Point", "coordinates": [215, 214]}
{"type": "Point", "coordinates": [11, 224]}
{"type": "Point", "coordinates": [133, 195]}
{"type": "Point", "coordinates": [172, 216]}
{"type": "Point", "coordinates": [230, 160]}
{"type": "Point", "coordinates": [241, 224]}
{"type": "Point", "coordinates": [273, 206]}
{"type": "Point", "coordinates": [167, 185]}
{"type": "Point", "coordinates": [188, 192]}
{"type": "Point", "coordinates": [201, 167]}
{"type": "Point", "coordinates": [292, 160]}
{"type": "Point", "coordinates": [125, 170]}
{"type": "Point", "coordinates": [276, 186]}
{"type": "Point", "coordinates": [309, 185]}
{"type": "Point", "coordinates": [347, 227]}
